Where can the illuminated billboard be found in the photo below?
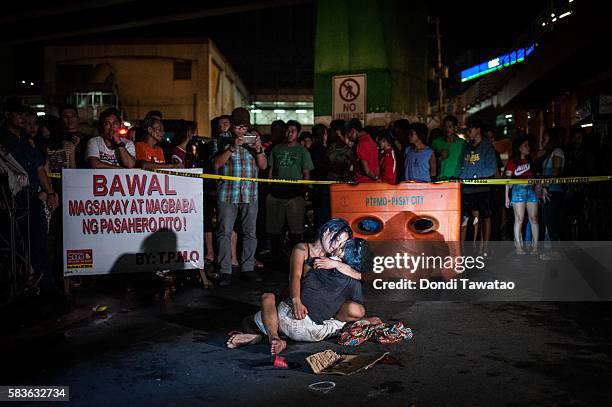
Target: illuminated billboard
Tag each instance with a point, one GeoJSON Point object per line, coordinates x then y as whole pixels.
{"type": "Point", "coordinates": [498, 63]}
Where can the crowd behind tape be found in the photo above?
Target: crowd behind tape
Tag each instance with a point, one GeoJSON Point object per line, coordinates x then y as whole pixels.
{"type": "Point", "coordinates": [475, 181]}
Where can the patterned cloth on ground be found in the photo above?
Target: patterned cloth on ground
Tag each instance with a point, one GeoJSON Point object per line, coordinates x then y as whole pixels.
{"type": "Point", "coordinates": [360, 331]}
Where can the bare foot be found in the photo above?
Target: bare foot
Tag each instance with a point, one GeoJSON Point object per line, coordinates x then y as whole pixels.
{"type": "Point", "coordinates": [238, 340]}
{"type": "Point", "coordinates": [277, 345]}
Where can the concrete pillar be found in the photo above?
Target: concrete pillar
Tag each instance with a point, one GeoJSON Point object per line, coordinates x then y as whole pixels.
{"type": "Point", "coordinates": [384, 39]}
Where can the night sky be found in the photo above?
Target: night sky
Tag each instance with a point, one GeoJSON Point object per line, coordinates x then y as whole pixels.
{"type": "Point", "coordinates": [270, 48]}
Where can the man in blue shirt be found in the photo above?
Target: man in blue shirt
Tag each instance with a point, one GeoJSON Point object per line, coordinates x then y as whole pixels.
{"type": "Point", "coordinates": [478, 162]}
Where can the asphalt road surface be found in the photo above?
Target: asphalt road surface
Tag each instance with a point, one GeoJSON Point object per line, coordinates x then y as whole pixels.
{"type": "Point", "coordinates": [146, 353]}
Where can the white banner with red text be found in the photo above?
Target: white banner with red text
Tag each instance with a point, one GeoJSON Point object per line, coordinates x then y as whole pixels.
{"type": "Point", "coordinates": [123, 221]}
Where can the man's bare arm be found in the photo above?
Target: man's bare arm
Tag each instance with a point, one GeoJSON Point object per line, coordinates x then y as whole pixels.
{"type": "Point", "coordinates": [95, 163]}
{"type": "Point", "coordinates": [328, 264]}
{"type": "Point", "coordinates": [125, 158]}
{"type": "Point", "coordinates": [298, 256]}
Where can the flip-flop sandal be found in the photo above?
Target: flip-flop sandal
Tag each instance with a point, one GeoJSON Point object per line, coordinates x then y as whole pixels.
{"type": "Point", "coordinates": [280, 362]}
{"type": "Point", "coordinates": [231, 334]}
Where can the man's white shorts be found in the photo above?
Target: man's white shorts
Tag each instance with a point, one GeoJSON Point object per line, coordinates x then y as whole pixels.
{"type": "Point", "coordinates": [301, 330]}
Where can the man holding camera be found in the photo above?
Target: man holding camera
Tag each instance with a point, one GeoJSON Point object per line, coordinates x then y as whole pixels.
{"type": "Point", "coordinates": [243, 157]}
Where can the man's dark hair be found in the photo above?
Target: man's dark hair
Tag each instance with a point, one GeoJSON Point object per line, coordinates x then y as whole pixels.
{"type": "Point", "coordinates": [295, 124]}
{"type": "Point", "coordinates": [304, 136]}
{"type": "Point", "coordinates": [277, 123]}
{"type": "Point", "coordinates": [354, 123]}
{"type": "Point", "coordinates": [474, 123]}
{"type": "Point", "coordinates": [334, 127]}
{"type": "Point", "coordinates": [336, 227]}
{"type": "Point", "coordinates": [421, 131]}
{"type": "Point", "coordinates": [154, 113]}
{"type": "Point", "coordinates": [450, 118]}
{"type": "Point", "coordinates": [402, 125]}
{"type": "Point", "coordinates": [149, 121]}
{"type": "Point", "coordinates": [337, 124]}
{"type": "Point", "coordinates": [111, 111]}
{"type": "Point", "coordinates": [357, 255]}
{"type": "Point", "coordinates": [68, 107]}
{"type": "Point", "coordinates": [183, 132]}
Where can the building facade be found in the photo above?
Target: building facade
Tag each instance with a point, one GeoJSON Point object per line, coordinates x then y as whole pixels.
{"type": "Point", "coordinates": [185, 79]}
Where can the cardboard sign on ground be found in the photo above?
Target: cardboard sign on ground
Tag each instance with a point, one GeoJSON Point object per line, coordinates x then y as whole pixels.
{"type": "Point", "coordinates": [329, 362]}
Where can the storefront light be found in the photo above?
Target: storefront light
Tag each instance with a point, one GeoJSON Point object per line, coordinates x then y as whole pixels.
{"type": "Point", "coordinates": [301, 111]}
{"type": "Point", "coordinates": [586, 125]}
{"type": "Point", "coordinates": [279, 111]}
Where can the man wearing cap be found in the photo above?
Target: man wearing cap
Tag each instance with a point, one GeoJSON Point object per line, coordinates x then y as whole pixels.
{"type": "Point", "coordinates": [238, 197]}
{"type": "Point", "coordinates": [16, 142]}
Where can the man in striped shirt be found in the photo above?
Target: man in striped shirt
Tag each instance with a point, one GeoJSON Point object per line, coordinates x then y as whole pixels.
{"type": "Point", "coordinates": [238, 159]}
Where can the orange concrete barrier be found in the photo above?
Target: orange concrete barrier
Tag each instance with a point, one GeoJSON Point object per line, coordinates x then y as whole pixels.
{"type": "Point", "coordinates": [407, 211]}
{"type": "Point", "coordinates": [412, 218]}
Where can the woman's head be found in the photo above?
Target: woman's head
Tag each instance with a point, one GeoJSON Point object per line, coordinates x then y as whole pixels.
{"type": "Point", "coordinates": [520, 147]}
{"type": "Point", "coordinates": [418, 131]}
{"type": "Point", "coordinates": [333, 234]}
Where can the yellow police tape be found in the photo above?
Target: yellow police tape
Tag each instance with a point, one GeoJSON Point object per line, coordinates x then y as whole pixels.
{"type": "Point", "coordinates": [475, 181]}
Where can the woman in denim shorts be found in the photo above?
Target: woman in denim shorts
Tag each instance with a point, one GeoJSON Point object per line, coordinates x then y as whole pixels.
{"type": "Point", "coordinates": [520, 165]}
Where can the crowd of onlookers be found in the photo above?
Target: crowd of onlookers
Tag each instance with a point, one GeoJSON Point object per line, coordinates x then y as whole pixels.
{"type": "Point", "coordinates": [261, 218]}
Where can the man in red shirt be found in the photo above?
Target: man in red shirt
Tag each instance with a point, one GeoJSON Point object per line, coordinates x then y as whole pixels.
{"type": "Point", "coordinates": [388, 162]}
{"type": "Point", "coordinates": [365, 162]}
